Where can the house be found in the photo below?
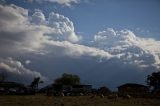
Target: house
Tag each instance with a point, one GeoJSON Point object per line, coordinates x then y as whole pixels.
{"type": "Point", "coordinates": [133, 89]}
{"type": "Point", "coordinates": [11, 88]}
{"type": "Point", "coordinates": [14, 88]}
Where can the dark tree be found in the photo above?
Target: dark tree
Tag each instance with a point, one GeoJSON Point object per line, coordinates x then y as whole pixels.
{"type": "Point", "coordinates": [68, 79]}
{"type": "Point", "coordinates": [3, 77]}
{"type": "Point", "coordinates": [153, 81]}
{"type": "Point", "coordinates": [104, 90]}
{"type": "Point", "coordinates": [35, 82]}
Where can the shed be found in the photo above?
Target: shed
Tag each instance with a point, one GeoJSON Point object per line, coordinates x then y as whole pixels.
{"type": "Point", "coordinates": [133, 89]}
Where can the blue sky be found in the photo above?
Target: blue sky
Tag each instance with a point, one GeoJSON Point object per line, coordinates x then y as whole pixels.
{"type": "Point", "coordinates": [89, 38]}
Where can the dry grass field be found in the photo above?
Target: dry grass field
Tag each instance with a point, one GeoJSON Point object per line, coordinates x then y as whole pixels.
{"type": "Point", "coordinates": [42, 100]}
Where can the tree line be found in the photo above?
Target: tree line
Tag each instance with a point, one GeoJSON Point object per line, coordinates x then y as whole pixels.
{"type": "Point", "coordinates": [153, 80]}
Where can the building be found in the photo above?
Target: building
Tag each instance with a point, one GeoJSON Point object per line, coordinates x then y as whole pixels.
{"type": "Point", "coordinates": [11, 88]}
{"type": "Point", "coordinates": [7, 88]}
{"type": "Point", "coordinates": [133, 89]}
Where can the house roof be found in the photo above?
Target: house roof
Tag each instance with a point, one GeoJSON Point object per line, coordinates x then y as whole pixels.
{"type": "Point", "coordinates": [132, 85]}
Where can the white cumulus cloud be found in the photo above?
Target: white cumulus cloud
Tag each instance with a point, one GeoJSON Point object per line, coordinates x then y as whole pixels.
{"type": "Point", "coordinates": [128, 47]}
{"type": "Point", "coordinates": [64, 2]}
{"type": "Point", "coordinates": [27, 62]}
{"type": "Point", "coordinates": [65, 27]}
{"type": "Point", "coordinates": [21, 32]}
{"type": "Point", "coordinates": [38, 34]}
{"type": "Point", "coordinates": [61, 2]}
{"type": "Point", "coordinates": [75, 50]}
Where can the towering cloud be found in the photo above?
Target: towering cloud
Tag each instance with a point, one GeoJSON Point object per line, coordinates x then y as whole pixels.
{"type": "Point", "coordinates": [124, 44]}
{"type": "Point", "coordinates": [25, 33]}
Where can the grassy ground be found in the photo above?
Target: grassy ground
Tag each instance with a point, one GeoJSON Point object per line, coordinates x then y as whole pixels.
{"type": "Point", "coordinates": [42, 100]}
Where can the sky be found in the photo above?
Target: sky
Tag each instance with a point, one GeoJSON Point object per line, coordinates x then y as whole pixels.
{"type": "Point", "coordinates": [105, 42]}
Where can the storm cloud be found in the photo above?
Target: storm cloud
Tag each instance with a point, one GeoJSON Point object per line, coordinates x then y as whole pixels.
{"type": "Point", "coordinates": [51, 46]}
{"type": "Point", "coordinates": [15, 70]}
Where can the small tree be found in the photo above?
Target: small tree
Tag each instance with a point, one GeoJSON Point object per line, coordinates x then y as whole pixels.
{"type": "Point", "coordinates": [35, 82]}
{"type": "Point", "coordinates": [68, 79]}
{"type": "Point", "coordinates": [3, 77]}
{"type": "Point", "coordinates": [153, 81]}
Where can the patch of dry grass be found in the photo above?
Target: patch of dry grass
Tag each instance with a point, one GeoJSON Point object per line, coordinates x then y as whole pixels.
{"type": "Point", "coordinates": [42, 100]}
